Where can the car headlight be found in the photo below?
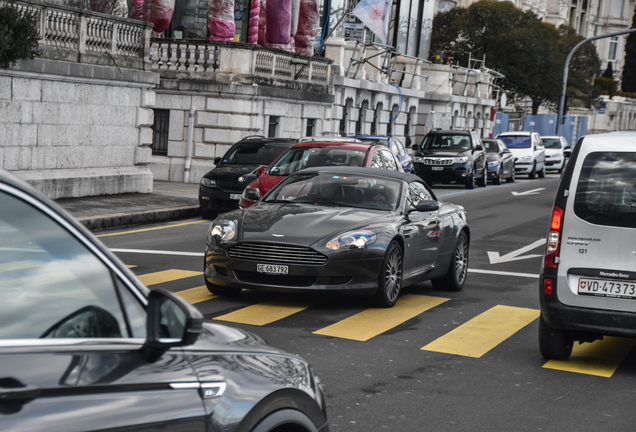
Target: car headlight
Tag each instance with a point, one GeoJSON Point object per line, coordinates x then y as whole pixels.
{"type": "Point", "coordinates": [352, 240]}
{"type": "Point", "coordinates": [208, 182]}
{"type": "Point", "coordinates": [223, 230]}
{"type": "Point", "coordinates": [493, 163]}
{"type": "Point", "coordinates": [460, 159]}
{"type": "Point", "coordinates": [418, 159]}
{"type": "Point", "coordinates": [525, 159]}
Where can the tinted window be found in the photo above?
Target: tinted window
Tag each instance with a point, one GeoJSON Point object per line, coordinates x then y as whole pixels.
{"type": "Point", "coordinates": [446, 142]}
{"type": "Point", "coordinates": [254, 153]}
{"type": "Point", "coordinates": [306, 157]}
{"type": "Point", "coordinates": [417, 192]}
{"type": "Point", "coordinates": [606, 192]}
{"type": "Point", "coordinates": [516, 141]}
{"type": "Point", "coordinates": [389, 161]}
{"type": "Point", "coordinates": [51, 285]}
{"type": "Point", "coordinates": [491, 146]}
{"type": "Point", "coordinates": [551, 143]}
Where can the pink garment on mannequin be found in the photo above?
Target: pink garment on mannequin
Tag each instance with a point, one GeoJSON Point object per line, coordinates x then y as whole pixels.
{"type": "Point", "coordinates": [308, 22]}
{"type": "Point", "coordinates": [221, 20]}
{"type": "Point", "coordinates": [279, 24]}
{"type": "Point", "coordinates": [252, 35]}
{"type": "Point", "coordinates": [158, 12]}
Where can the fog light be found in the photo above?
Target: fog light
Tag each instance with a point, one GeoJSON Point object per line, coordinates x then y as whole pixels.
{"type": "Point", "coordinates": [463, 174]}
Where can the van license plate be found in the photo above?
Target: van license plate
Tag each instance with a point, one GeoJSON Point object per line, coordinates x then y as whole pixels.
{"type": "Point", "coordinates": [272, 269]}
{"type": "Point", "coordinates": [607, 288]}
{"type": "Point", "coordinates": [437, 168]}
{"type": "Point", "coordinates": [235, 196]}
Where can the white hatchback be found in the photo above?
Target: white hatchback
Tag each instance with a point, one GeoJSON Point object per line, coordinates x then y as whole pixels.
{"type": "Point", "coordinates": [588, 283]}
{"type": "Point", "coordinates": [555, 148]}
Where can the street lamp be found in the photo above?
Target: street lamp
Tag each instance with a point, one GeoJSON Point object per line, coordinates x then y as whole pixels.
{"type": "Point", "coordinates": [567, 65]}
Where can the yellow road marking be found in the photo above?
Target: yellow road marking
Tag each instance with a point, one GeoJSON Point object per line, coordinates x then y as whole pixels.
{"type": "Point", "coordinates": [484, 332]}
{"type": "Point", "coordinates": [166, 276]}
{"type": "Point", "coordinates": [599, 358]}
{"type": "Point", "coordinates": [196, 295]}
{"type": "Point", "coordinates": [372, 322]}
{"type": "Point", "coordinates": [131, 266]}
{"type": "Point", "coordinates": [153, 229]}
{"type": "Point", "coordinates": [269, 311]}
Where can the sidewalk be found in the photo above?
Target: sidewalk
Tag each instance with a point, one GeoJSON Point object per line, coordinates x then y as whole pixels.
{"type": "Point", "coordinates": [169, 201]}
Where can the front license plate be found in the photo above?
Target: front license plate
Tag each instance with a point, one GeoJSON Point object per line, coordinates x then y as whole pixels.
{"type": "Point", "coordinates": [272, 269]}
{"type": "Point", "coordinates": [607, 288]}
{"type": "Point", "coordinates": [235, 196]}
{"type": "Point", "coordinates": [437, 168]}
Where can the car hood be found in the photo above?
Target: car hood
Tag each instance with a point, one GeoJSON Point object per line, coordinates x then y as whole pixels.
{"type": "Point", "coordinates": [300, 224]}
{"type": "Point", "coordinates": [232, 172]}
{"type": "Point", "coordinates": [552, 152]}
{"type": "Point", "coordinates": [492, 157]}
{"type": "Point", "coordinates": [442, 153]}
{"type": "Point", "coordinates": [520, 152]}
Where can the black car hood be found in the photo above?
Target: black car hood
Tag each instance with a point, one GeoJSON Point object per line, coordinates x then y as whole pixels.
{"type": "Point", "coordinates": [300, 224]}
{"type": "Point", "coordinates": [443, 153]}
{"type": "Point", "coordinates": [231, 172]}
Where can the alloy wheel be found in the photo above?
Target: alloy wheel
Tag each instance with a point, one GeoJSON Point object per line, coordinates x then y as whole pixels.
{"type": "Point", "coordinates": [461, 260]}
{"type": "Point", "coordinates": [393, 275]}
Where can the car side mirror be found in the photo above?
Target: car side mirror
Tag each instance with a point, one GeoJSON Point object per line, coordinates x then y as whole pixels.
{"type": "Point", "coordinates": [252, 194]}
{"type": "Point", "coordinates": [426, 206]}
{"type": "Point", "coordinates": [567, 152]}
{"type": "Point", "coordinates": [479, 147]}
{"type": "Point", "coordinates": [260, 171]}
{"type": "Point", "coordinates": [170, 322]}
{"type": "Point", "coordinates": [217, 160]}
{"type": "Point", "coordinates": [415, 147]}
{"type": "Point", "coordinates": [507, 151]}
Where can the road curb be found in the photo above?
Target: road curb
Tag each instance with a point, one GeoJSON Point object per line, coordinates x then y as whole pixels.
{"type": "Point", "coordinates": [136, 218]}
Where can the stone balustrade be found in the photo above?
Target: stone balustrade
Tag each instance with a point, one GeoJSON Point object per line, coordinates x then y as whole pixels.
{"type": "Point", "coordinates": [239, 63]}
{"type": "Point", "coordinates": [72, 34]}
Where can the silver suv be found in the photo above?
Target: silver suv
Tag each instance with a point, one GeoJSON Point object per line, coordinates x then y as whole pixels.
{"type": "Point", "coordinates": [588, 283]}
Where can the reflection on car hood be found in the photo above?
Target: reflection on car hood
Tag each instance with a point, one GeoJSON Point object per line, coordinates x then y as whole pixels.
{"type": "Point", "coordinates": [301, 224]}
{"type": "Point", "coordinates": [218, 337]}
{"type": "Point", "coordinates": [493, 157]}
{"type": "Point", "coordinates": [443, 153]}
{"type": "Point", "coordinates": [230, 172]}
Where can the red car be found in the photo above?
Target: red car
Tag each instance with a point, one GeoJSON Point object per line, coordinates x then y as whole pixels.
{"type": "Point", "coordinates": [313, 154]}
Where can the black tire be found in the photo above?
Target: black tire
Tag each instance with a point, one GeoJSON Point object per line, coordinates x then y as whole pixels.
{"type": "Point", "coordinates": [533, 173]}
{"type": "Point", "coordinates": [455, 277]}
{"type": "Point", "coordinates": [483, 180]}
{"type": "Point", "coordinates": [542, 172]}
{"type": "Point", "coordinates": [221, 290]}
{"type": "Point", "coordinates": [390, 278]}
{"type": "Point", "coordinates": [554, 344]}
{"type": "Point", "coordinates": [470, 182]}
{"type": "Point", "coordinates": [499, 179]}
{"type": "Point", "coordinates": [511, 179]}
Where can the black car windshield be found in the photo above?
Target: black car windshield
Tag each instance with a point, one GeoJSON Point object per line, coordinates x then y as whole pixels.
{"type": "Point", "coordinates": [359, 191]}
{"type": "Point", "coordinates": [254, 153]}
{"type": "Point", "coordinates": [491, 146]}
{"type": "Point", "coordinates": [551, 143]}
{"type": "Point", "coordinates": [516, 141]}
{"type": "Point", "coordinates": [306, 157]}
{"type": "Point", "coordinates": [452, 142]}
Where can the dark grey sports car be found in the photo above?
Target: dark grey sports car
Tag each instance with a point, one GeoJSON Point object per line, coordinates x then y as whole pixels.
{"type": "Point", "coordinates": [340, 228]}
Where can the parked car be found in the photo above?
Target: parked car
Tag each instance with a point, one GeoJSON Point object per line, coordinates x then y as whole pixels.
{"type": "Point", "coordinates": [318, 153]}
{"type": "Point", "coordinates": [588, 283]}
{"type": "Point", "coordinates": [342, 229]}
{"type": "Point", "coordinates": [501, 163]}
{"type": "Point", "coordinates": [451, 156]}
{"type": "Point", "coordinates": [85, 346]}
{"type": "Point", "coordinates": [556, 152]}
{"type": "Point", "coordinates": [395, 145]}
{"type": "Point", "coordinates": [221, 188]}
{"type": "Point", "coordinates": [528, 151]}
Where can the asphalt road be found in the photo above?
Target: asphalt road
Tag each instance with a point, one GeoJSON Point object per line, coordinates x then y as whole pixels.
{"type": "Point", "coordinates": [438, 361]}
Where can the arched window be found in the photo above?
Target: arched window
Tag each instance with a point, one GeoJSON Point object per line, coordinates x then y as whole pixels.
{"type": "Point", "coordinates": [375, 125]}
{"type": "Point", "coordinates": [345, 117]}
{"type": "Point", "coordinates": [361, 114]}
{"type": "Point", "coordinates": [407, 127]}
{"type": "Point", "coordinates": [393, 119]}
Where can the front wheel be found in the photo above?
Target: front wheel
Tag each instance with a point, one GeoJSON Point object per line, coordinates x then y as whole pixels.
{"type": "Point", "coordinates": [470, 181]}
{"type": "Point", "coordinates": [554, 344]}
{"type": "Point", "coordinates": [390, 280]}
{"type": "Point", "coordinates": [533, 173]}
{"type": "Point", "coordinates": [542, 172]}
{"type": "Point", "coordinates": [499, 179]}
{"type": "Point", "coordinates": [483, 180]}
{"type": "Point", "coordinates": [511, 179]}
{"type": "Point", "coordinates": [455, 277]}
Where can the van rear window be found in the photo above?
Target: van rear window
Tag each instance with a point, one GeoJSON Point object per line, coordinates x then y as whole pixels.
{"type": "Point", "coordinates": [606, 192]}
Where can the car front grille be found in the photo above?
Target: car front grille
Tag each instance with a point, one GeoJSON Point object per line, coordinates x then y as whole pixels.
{"type": "Point", "coordinates": [274, 253]}
{"type": "Point", "coordinates": [229, 185]}
{"type": "Point", "coordinates": [438, 161]}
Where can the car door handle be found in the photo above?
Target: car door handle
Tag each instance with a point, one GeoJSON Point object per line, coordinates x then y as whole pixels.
{"type": "Point", "coordinates": [13, 390]}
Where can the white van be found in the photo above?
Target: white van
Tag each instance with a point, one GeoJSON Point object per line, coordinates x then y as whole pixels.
{"type": "Point", "coordinates": [528, 151]}
{"type": "Point", "coordinates": [588, 284]}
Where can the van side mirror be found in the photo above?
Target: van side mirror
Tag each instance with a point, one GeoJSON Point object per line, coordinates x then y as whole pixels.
{"type": "Point", "coordinates": [217, 160]}
{"type": "Point", "coordinates": [170, 322]}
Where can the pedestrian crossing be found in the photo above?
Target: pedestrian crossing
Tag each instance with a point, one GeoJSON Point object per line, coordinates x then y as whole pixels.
{"type": "Point", "coordinates": [474, 338]}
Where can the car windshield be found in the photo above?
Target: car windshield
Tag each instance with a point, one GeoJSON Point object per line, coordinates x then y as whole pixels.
{"type": "Point", "coordinates": [359, 191]}
{"type": "Point", "coordinates": [446, 142]}
{"type": "Point", "coordinates": [254, 153]}
{"type": "Point", "coordinates": [306, 157]}
{"type": "Point", "coordinates": [516, 141]}
{"type": "Point", "coordinates": [551, 143]}
{"type": "Point", "coordinates": [491, 146]}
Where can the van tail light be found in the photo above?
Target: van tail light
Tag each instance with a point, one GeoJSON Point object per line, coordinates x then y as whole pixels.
{"type": "Point", "coordinates": [554, 238]}
{"type": "Point", "coordinates": [548, 286]}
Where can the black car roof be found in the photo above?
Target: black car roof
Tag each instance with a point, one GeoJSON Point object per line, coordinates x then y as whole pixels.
{"type": "Point", "coordinates": [362, 171]}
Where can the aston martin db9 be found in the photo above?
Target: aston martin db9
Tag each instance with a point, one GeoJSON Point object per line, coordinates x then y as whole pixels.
{"type": "Point", "coordinates": [358, 230]}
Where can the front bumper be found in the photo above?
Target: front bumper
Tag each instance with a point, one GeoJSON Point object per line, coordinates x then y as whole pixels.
{"type": "Point", "coordinates": [358, 275]}
{"type": "Point", "coordinates": [214, 200]}
{"type": "Point", "coordinates": [493, 172]}
{"type": "Point", "coordinates": [443, 173]}
{"type": "Point", "coordinates": [523, 167]}
{"type": "Point", "coordinates": [585, 320]}
{"type": "Point", "coordinates": [554, 163]}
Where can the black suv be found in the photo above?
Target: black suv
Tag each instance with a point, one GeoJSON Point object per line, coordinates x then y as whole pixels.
{"type": "Point", "coordinates": [448, 156]}
{"type": "Point", "coordinates": [221, 188]}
